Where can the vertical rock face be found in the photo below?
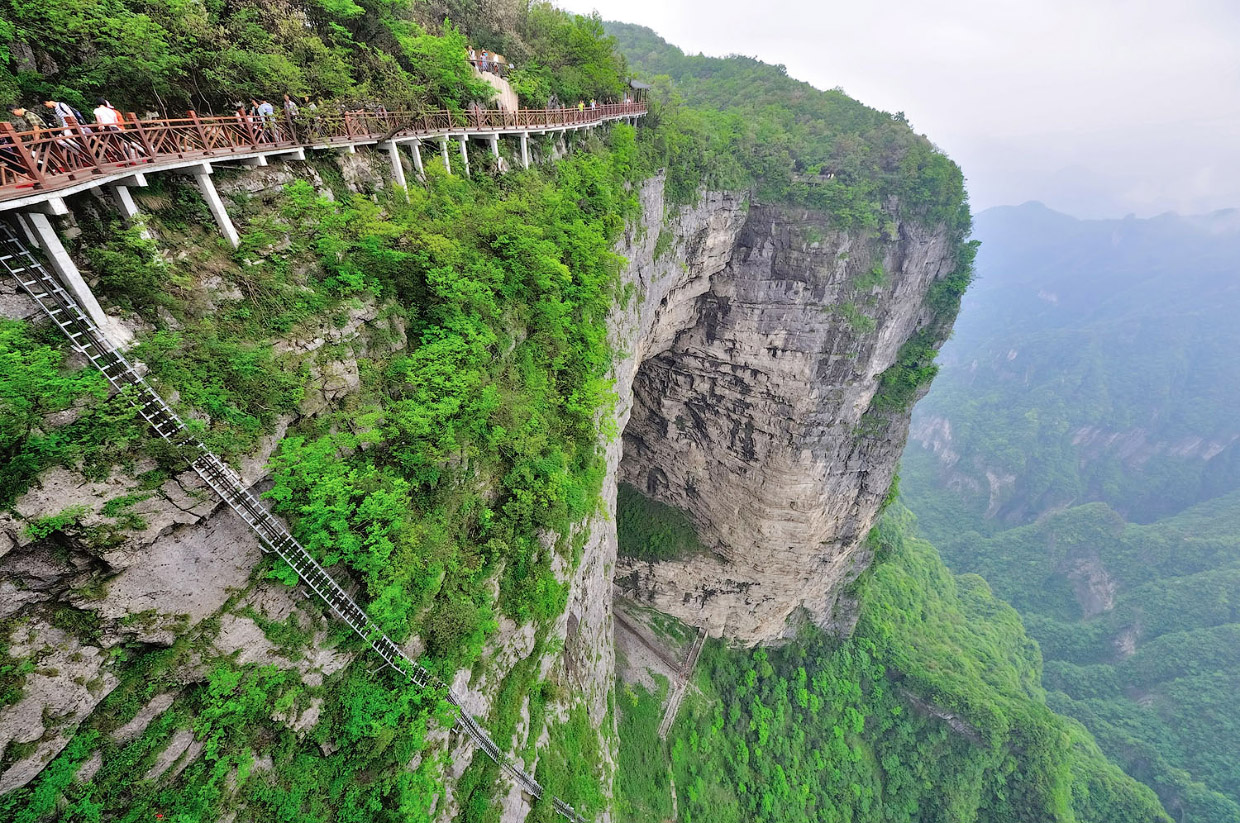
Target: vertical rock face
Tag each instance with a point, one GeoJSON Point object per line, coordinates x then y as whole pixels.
{"type": "Point", "coordinates": [749, 340]}
{"type": "Point", "coordinates": [747, 412]}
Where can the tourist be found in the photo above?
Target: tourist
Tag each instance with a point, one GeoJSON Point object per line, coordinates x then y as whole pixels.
{"type": "Point", "coordinates": [267, 115]}
{"type": "Point", "coordinates": [485, 61]}
{"type": "Point", "coordinates": [593, 104]}
{"type": "Point", "coordinates": [23, 119]}
{"type": "Point", "coordinates": [106, 117]}
{"type": "Point", "coordinates": [473, 56]}
{"type": "Point", "coordinates": [63, 114]}
{"type": "Point", "coordinates": [246, 120]}
{"type": "Point", "coordinates": [290, 106]}
{"type": "Point", "coordinates": [311, 113]}
{"type": "Point", "coordinates": [581, 105]}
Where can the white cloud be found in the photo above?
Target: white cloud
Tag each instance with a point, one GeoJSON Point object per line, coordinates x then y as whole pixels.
{"type": "Point", "coordinates": [1143, 95]}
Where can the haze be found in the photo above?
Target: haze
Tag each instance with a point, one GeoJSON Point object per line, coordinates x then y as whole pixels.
{"type": "Point", "coordinates": [1098, 109]}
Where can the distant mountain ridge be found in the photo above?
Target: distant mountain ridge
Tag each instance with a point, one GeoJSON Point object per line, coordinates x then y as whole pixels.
{"type": "Point", "coordinates": [1080, 450]}
{"type": "Point", "coordinates": [1093, 361]}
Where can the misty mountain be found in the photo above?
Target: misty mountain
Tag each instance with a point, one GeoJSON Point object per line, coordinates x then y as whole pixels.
{"type": "Point", "coordinates": [1079, 451]}
{"type": "Point", "coordinates": [1094, 360]}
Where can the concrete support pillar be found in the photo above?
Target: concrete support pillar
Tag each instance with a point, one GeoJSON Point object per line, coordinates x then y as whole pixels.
{"type": "Point", "coordinates": [525, 150]}
{"type": "Point", "coordinates": [464, 153]}
{"type": "Point", "coordinates": [415, 149]}
{"type": "Point", "coordinates": [67, 271]}
{"type": "Point", "coordinates": [128, 208]}
{"type": "Point", "coordinates": [202, 174]}
{"type": "Point", "coordinates": [398, 170]}
{"type": "Point", "coordinates": [494, 141]}
{"type": "Point", "coordinates": [443, 146]}
{"type": "Point", "coordinates": [253, 162]}
{"type": "Point", "coordinates": [124, 202]}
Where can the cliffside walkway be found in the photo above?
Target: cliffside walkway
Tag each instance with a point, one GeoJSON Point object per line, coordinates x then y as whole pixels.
{"type": "Point", "coordinates": [39, 168]}
{"type": "Point", "coordinates": [18, 261]}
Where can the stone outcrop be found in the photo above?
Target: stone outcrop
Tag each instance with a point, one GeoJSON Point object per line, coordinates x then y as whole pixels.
{"type": "Point", "coordinates": [749, 413]}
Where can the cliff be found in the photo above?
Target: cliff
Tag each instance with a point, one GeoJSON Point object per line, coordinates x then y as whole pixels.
{"type": "Point", "coordinates": [748, 410]}
{"type": "Point", "coordinates": [741, 383]}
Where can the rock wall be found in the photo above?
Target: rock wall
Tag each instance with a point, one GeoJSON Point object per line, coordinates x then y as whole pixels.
{"type": "Point", "coordinates": [747, 412]}
{"type": "Point", "coordinates": [740, 384]}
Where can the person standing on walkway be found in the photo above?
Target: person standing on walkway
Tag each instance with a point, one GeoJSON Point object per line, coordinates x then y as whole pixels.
{"type": "Point", "coordinates": [290, 113]}
{"type": "Point", "coordinates": [311, 113]}
{"type": "Point", "coordinates": [63, 113]}
{"type": "Point", "coordinates": [23, 119]}
{"type": "Point", "coordinates": [108, 119]}
{"type": "Point", "coordinates": [267, 114]}
{"type": "Point", "coordinates": [485, 62]}
{"type": "Point", "coordinates": [245, 120]}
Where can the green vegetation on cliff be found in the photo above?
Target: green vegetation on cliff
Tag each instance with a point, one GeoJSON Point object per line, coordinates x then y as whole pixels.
{"type": "Point", "coordinates": [649, 530]}
{"type": "Point", "coordinates": [930, 712]}
{"type": "Point", "coordinates": [798, 144]}
{"type": "Point", "coordinates": [471, 432]}
{"type": "Point", "coordinates": [441, 365]}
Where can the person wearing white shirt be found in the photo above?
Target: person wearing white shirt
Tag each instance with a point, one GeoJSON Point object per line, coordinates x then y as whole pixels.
{"type": "Point", "coordinates": [106, 116]}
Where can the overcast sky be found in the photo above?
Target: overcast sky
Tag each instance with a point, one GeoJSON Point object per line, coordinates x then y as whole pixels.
{"type": "Point", "coordinates": [1099, 108]}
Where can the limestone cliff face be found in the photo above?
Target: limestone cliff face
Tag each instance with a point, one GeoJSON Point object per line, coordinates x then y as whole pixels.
{"type": "Point", "coordinates": [747, 413]}
{"type": "Point", "coordinates": [748, 342]}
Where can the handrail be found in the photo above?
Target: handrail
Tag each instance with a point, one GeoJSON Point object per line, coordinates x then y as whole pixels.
{"type": "Point", "coordinates": [34, 278]}
{"type": "Point", "coordinates": [48, 159]}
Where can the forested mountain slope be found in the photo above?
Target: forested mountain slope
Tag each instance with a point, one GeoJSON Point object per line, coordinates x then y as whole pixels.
{"type": "Point", "coordinates": [931, 711]}
{"type": "Point", "coordinates": [429, 386]}
{"type": "Point", "coordinates": [1094, 361]}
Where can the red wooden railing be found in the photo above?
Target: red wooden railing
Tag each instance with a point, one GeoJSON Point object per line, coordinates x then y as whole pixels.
{"type": "Point", "coordinates": [49, 159]}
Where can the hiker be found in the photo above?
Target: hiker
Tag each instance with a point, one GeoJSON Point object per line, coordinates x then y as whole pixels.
{"type": "Point", "coordinates": [593, 104]}
{"type": "Point", "coordinates": [246, 120]}
{"type": "Point", "coordinates": [63, 112]}
{"type": "Point", "coordinates": [581, 105]}
{"type": "Point", "coordinates": [290, 106]}
{"type": "Point", "coordinates": [485, 61]}
{"type": "Point", "coordinates": [23, 119]}
{"type": "Point", "coordinates": [267, 116]}
{"type": "Point", "coordinates": [108, 119]}
{"type": "Point", "coordinates": [311, 113]}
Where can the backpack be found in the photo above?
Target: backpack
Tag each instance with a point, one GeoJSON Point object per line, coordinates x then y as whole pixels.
{"type": "Point", "coordinates": [77, 115]}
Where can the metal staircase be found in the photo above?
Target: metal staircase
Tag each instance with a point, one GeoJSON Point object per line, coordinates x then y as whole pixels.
{"type": "Point", "coordinates": [18, 261]}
